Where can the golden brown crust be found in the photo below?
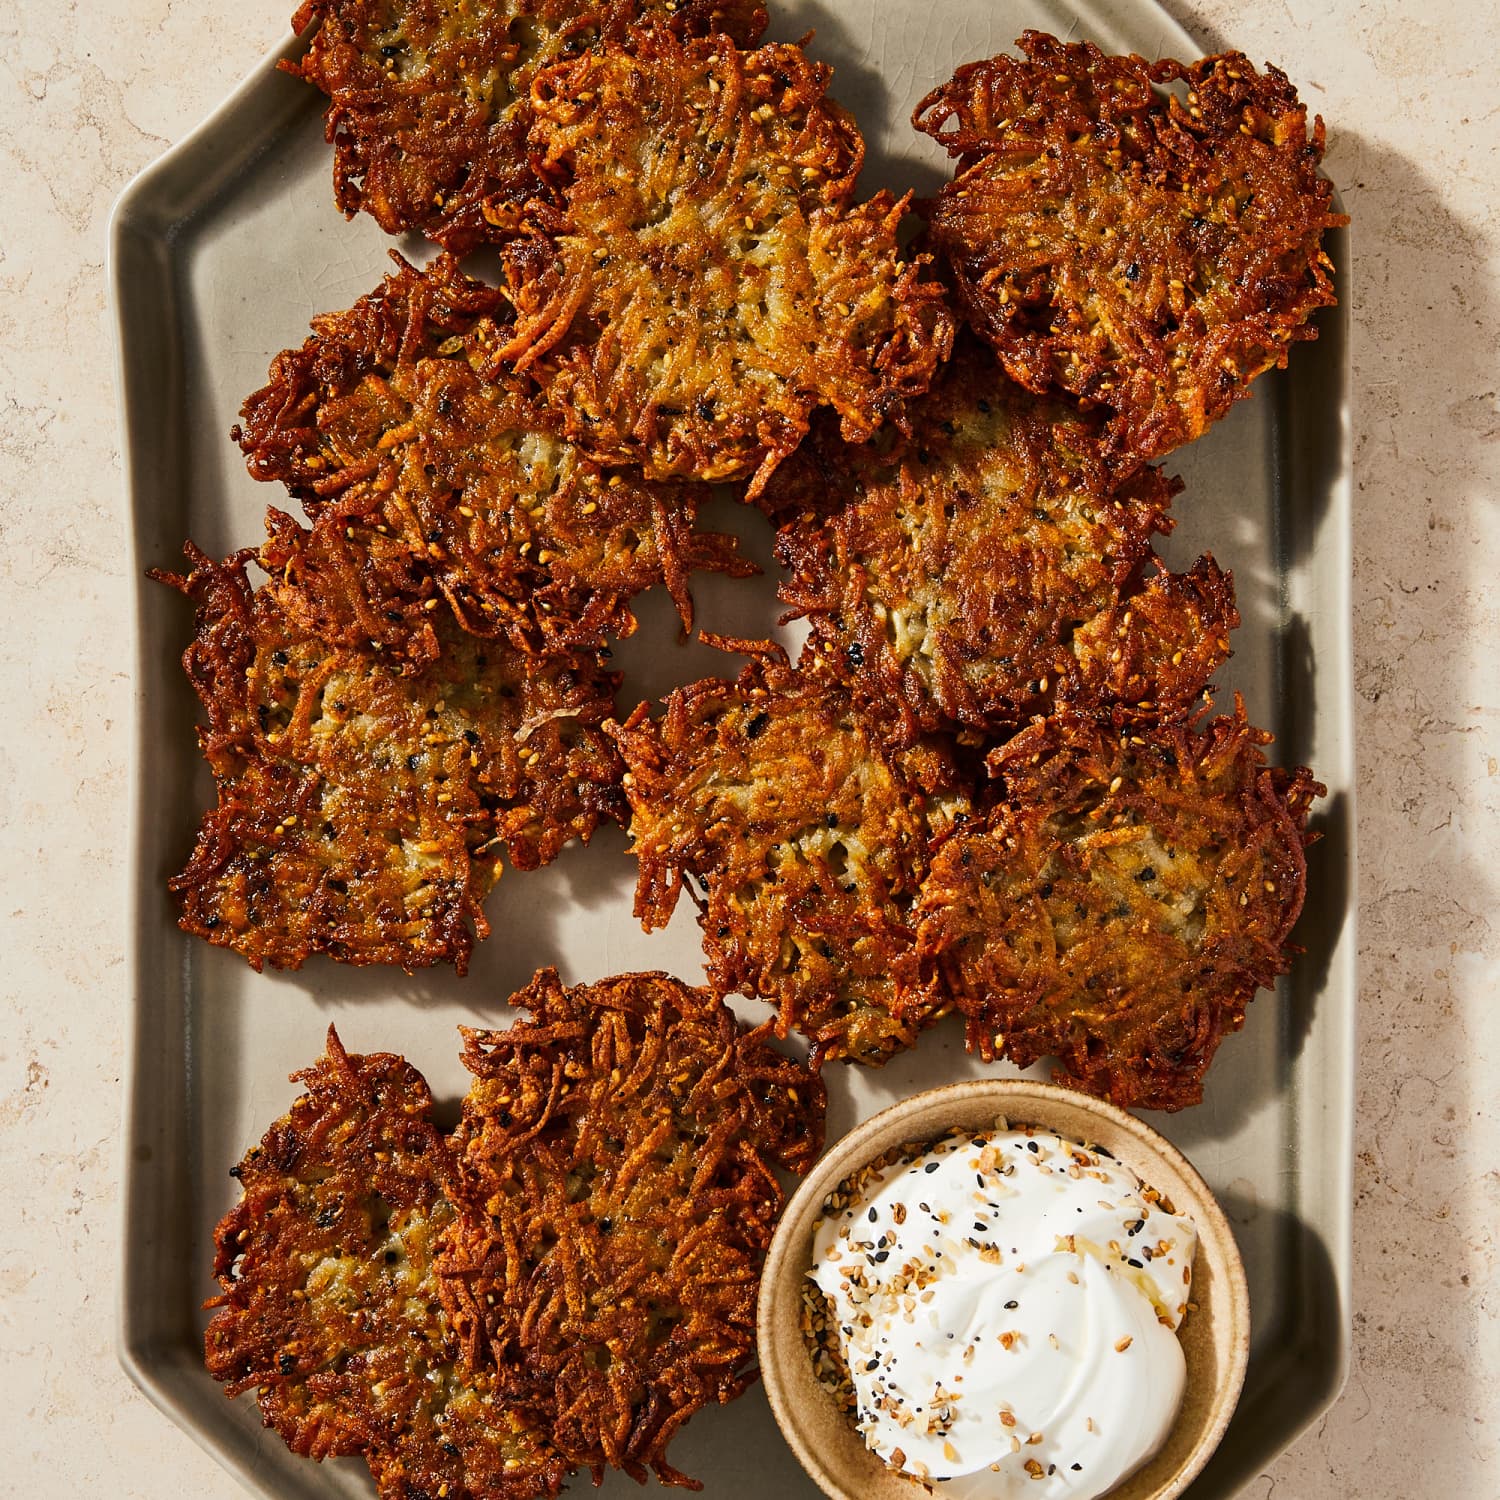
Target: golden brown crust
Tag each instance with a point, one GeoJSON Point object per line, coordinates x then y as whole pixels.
{"type": "Point", "coordinates": [363, 804]}
{"type": "Point", "coordinates": [1122, 903]}
{"type": "Point", "coordinates": [706, 281]}
{"type": "Point", "coordinates": [618, 1155]}
{"type": "Point", "coordinates": [989, 567]}
{"type": "Point", "coordinates": [430, 99]}
{"type": "Point", "coordinates": [1115, 243]}
{"type": "Point", "coordinates": [808, 839]}
{"type": "Point", "coordinates": [436, 483]}
{"type": "Point", "coordinates": [330, 1302]}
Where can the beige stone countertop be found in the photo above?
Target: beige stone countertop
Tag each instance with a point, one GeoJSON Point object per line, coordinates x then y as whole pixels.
{"type": "Point", "coordinates": [90, 93]}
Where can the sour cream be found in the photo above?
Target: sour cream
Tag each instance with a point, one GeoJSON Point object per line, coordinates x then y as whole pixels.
{"type": "Point", "coordinates": [1007, 1304]}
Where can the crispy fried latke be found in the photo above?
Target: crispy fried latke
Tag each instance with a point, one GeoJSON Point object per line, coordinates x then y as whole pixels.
{"type": "Point", "coordinates": [1114, 242]}
{"type": "Point", "coordinates": [330, 1303]}
{"type": "Point", "coordinates": [706, 281]}
{"type": "Point", "coordinates": [436, 482]}
{"type": "Point", "coordinates": [988, 568]}
{"type": "Point", "coordinates": [1121, 905]}
{"type": "Point", "coordinates": [430, 100]}
{"type": "Point", "coordinates": [808, 840]}
{"type": "Point", "coordinates": [617, 1157]}
{"type": "Point", "coordinates": [363, 805]}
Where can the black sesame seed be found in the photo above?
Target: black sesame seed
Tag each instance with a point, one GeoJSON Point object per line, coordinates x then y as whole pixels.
{"type": "Point", "coordinates": [1077, 1468]}
{"type": "Point", "coordinates": [1012, 1304]}
{"type": "Point", "coordinates": [931, 1166]}
{"type": "Point", "coordinates": [872, 1215]}
{"type": "Point", "coordinates": [1032, 1146]}
{"type": "Point", "coordinates": [873, 1364]}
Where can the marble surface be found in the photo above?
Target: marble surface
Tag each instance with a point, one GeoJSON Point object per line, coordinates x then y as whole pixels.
{"type": "Point", "coordinates": [91, 93]}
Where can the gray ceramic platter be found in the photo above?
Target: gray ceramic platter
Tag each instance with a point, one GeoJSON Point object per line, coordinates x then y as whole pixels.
{"type": "Point", "coordinates": [221, 252]}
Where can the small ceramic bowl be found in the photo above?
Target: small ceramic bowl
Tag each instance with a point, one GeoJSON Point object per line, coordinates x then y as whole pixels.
{"type": "Point", "coordinates": [1215, 1335]}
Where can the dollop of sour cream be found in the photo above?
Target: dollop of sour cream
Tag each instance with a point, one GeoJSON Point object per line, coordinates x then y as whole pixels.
{"type": "Point", "coordinates": [1006, 1304]}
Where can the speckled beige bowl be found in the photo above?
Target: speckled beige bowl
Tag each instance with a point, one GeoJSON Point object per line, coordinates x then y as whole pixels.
{"type": "Point", "coordinates": [1215, 1337]}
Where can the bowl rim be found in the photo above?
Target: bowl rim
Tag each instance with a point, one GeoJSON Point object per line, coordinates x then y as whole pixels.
{"type": "Point", "coordinates": [864, 1142]}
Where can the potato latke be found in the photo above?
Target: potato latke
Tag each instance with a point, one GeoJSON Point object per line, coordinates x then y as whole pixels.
{"type": "Point", "coordinates": [363, 805]}
{"type": "Point", "coordinates": [706, 280]}
{"type": "Point", "coordinates": [990, 567]}
{"type": "Point", "coordinates": [439, 478]}
{"type": "Point", "coordinates": [1145, 252]}
{"type": "Point", "coordinates": [1121, 905]}
{"type": "Point", "coordinates": [617, 1155]}
{"type": "Point", "coordinates": [330, 1306]}
{"type": "Point", "coordinates": [808, 840]}
{"type": "Point", "coordinates": [430, 100]}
